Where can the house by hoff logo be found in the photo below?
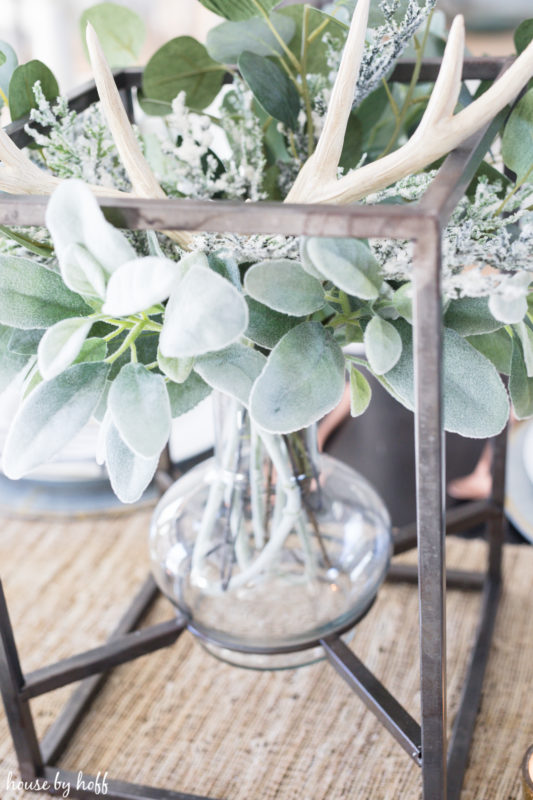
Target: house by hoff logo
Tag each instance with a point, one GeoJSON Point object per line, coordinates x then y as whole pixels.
{"type": "Point", "coordinates": [97, 784]}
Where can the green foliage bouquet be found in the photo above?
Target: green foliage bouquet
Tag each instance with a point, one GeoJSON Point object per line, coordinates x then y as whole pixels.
{"type": "Point", "coordinates": [135, 329]}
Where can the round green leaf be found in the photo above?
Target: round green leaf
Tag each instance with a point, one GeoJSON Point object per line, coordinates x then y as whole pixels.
{"type": "Point", "coordinates": [348, 263]}
{"type": "Point", "coordinates": [226, 42]}
{"type": "Point", "coordinates": [140, 409]}
{"type": "Point", "coordinates": [239, 9]}
{"type": "Point", "coordinates": [232, 371]}
{"type": "Point", "coordinates": [383, 345]}
{"type": "Point", "coordinates": [120, 30]}
{"type": "Point", "coordinates": [51, 417]}
{"type": "Point", "coordinates": [284, 286]}
{"type": "Point", "coordinates": [21, 98]}
{"type": "Point", "coordinates": [517, 140]}
{"type": "Point", "coordinates": [272, 88]}
{"type": "Point", "coordinates": [303, 379]}
{"type": "Point", "coordinates": [182, 65]}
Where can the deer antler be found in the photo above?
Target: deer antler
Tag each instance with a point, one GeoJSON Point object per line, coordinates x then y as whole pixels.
{"type": "Point", "coordinates": [143, 180]}
{"type": "Point", "coordinates": [439, 131]}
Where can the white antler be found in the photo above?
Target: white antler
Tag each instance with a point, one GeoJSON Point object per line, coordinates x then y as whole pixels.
{"type": "Point", "coordinates": [143, 180]}
{"type": "Point", "coordinates": [438, 133]}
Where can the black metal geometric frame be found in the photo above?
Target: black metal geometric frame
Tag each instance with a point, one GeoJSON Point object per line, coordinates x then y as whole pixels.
{"type": "Point", "coordinates": [442, 764]}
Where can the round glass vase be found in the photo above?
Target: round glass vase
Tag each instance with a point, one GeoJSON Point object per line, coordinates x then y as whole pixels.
{"type": "Point", "coordinates": [269, 546]}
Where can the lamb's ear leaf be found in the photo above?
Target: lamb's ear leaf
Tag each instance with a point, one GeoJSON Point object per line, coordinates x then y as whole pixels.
{"type": "Point", "coordinates": [186, 396]}
{"type": "Point", "coordinates": [302, 380]}
{"type": "Point", "coordinates": [520, 385]}
{"type": "Point", "coordinates": [51, 416]}
{"type": "Point", "coordinates": [129, 473]}
{"type": "Point", "coordinates": [204, 314]}
{"type": "Point", "coordinates": [471, 316]}
{"type": "Point", "coordinates": [360, 392]}
{"type": "Point", "coordinates": [284, 286]}
{"type": "Point", "coordinates": [61, 345]}
{"type": "Point", "coordinates": [476, 403]}
{"type": "Point", "coordinates": [140, 410]}
{"type": "Point", "coordinates": [138, 285]}
{"type": "Point", "coordinates": [383, 345]}
{"type": "Point", "coordinates": [32, 296]}
{"type": "Point", "coordinates": [348, 263]}
{"type": "Point", "coordinates": [232, 371]}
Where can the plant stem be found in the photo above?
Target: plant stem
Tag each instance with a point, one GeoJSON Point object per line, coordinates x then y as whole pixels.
{"type": "Point", "coordinates": [128, 342]}
{"type": "Point", "coordinates": [305, 86]}
{"type": "Point", "coordinates": [512, 193]}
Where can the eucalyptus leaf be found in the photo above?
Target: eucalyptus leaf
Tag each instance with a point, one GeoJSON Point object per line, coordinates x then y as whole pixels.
{"type": "Point", "coordinates": [471, 316]}
{"type": "Point", "coordinates": [61, 344]}
{"type": "Point", "coordinates": [183, 65]}
{"type": "Point", "coordinates": [25, 343]}
{"type": "Point", "coordinates": [520, 385]}
{"type": "Point", "coordinates": [266, 326]}
{"type": "Point", "coordinates": [232, 371]}
{"type": "Point", "coordinates": [523, 35]}
{"type": "Point", "coordinates": [383, 345]}
{"type": "Point", "coordinates": [226, 42]}
{"type": "Point", "coordinates": [303, 379]}
{"type": "Point", "coordinates": [129, 473]}
{"type": "Point", "coordinates": [138, 285]}
{"type": "Point", "coordinates": [177, 369]}
{"type": "Point", "coordinates": [11, 363]}
{"type": "Point", "coordinates": [360, 392]}
{"type": "Point", "coordinates": [73, 216]}
{"type": "Point", "coordinates": [272, 88]}
{"type": "Point", "coordinates": [7, 67]}
{"type": "Point", "coordinates": [140, 410]}
{"type": "Point", "coordinates": [517, 140]}
{"type": "Point", "coordinates": [51, 416]}
{"type": "Point", "coordinates": [497, 347]}
{"type": "Point", "coordinates": [120, 30]}
{"type": "Point", "coordinates": [475, 401]}
{"type": "Point", "coordinates": [348, 263]}
{"type": "Point", "coordinates": [32, 296]}
{"type": "Point", "coordinates": [21, 97]}
{"type": "Point", "coordinates": [186, 396]}
{"type": "Point", "coordinates": [284, 286]}
{"type": "Point", "coordinates": [205, 313]}
{"type": "Point", "coordinates": [321, 29]}
{"type": "Point", "coordinates": [240, 9]}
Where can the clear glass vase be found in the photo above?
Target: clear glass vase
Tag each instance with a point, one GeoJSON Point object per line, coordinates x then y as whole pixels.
{"type": "Point", "coordinates": [269, 546]}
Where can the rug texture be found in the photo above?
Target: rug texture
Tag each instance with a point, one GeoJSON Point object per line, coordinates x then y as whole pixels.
{"type": "Point", "coordinates": [180, 719]}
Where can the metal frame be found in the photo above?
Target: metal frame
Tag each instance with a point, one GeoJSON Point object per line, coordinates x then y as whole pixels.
{"type": "Point", "coordinates": [442, 766]}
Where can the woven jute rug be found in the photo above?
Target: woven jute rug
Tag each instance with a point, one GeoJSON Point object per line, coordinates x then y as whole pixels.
{"type": "Point", "coordinates": [182, 720]}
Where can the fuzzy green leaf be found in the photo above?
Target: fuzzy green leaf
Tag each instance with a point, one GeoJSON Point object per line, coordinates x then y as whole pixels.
{"type": "Point", "coordinates": [32, 296]}
{"type": "Point", "coordinates": [182, 65]}
{"type": "Point", "coordinates": [303, 379]}
{"type": "Point", "coordinates": [25, 343]}
{"type": "Point", "coordinates": [232, 371]}
{"type": "Point", "coordinates": [239, 9]}
{"type": "Point", "coordinates": [497, 347]}
{"type": "Point", "coordinates": [228, 41]}
{"type": "Point", "coordinates": [140, 410]}
{"type": "Point", "coordinates": [509, 310]}
{"type": "Point", "coordinates": [120, 30]}
{"type": "Point", "coordinates": [138, 285]}
{"type": "Point", "coordinates": [284, 286]}
{"type": "Point", "coordinates": [272, 88]}
{"type": "Point", "coordinates": [383, 345]}
{"type": "Point", "coordinates": [186, 396]}
{"type": "Point", "coordinates": [475, 401]}
{"type": "Point", "coordinates": [51, 416]}
{"type": "Point", "coordinates": [471, 316]}
{"type": "Point", "coordinates": [348, 263]}
{"type": "Point", "coordinates": [525, 334]}
{"type": "Point", "coordinates": [360, 392]}
{"type": "Point", "coordinates": [21, 97]}
{"type": "Point", "coordinates": [11, 363]}
{"type": "Point", "coordinates": [61, 345]}
{"type": "Point", "coordinates": [129, 473]}
{"type": "Point", "coordinates": [520, 385]}
{"type": "Point", "coordinates": [177, 369]}
{"type": "Point", "coordinates": [205, 313]}
{"type": "Point", "coordinates": [266, 326]}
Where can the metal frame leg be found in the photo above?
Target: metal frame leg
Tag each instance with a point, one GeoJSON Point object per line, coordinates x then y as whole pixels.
{"type": "Point", "coordinates": [430, 511]}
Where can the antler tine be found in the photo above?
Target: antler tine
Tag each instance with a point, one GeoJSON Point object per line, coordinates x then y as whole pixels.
{"type": "Point", "coordinates": [322, 165]}
{"type": "Point", "coordinates": [142, 178]}
{"type": "Point", "coordinates": [438, 133]}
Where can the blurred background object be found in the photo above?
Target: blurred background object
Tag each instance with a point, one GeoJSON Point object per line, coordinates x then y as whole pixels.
{"type": "Point", "coordinates": [488, 15]}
